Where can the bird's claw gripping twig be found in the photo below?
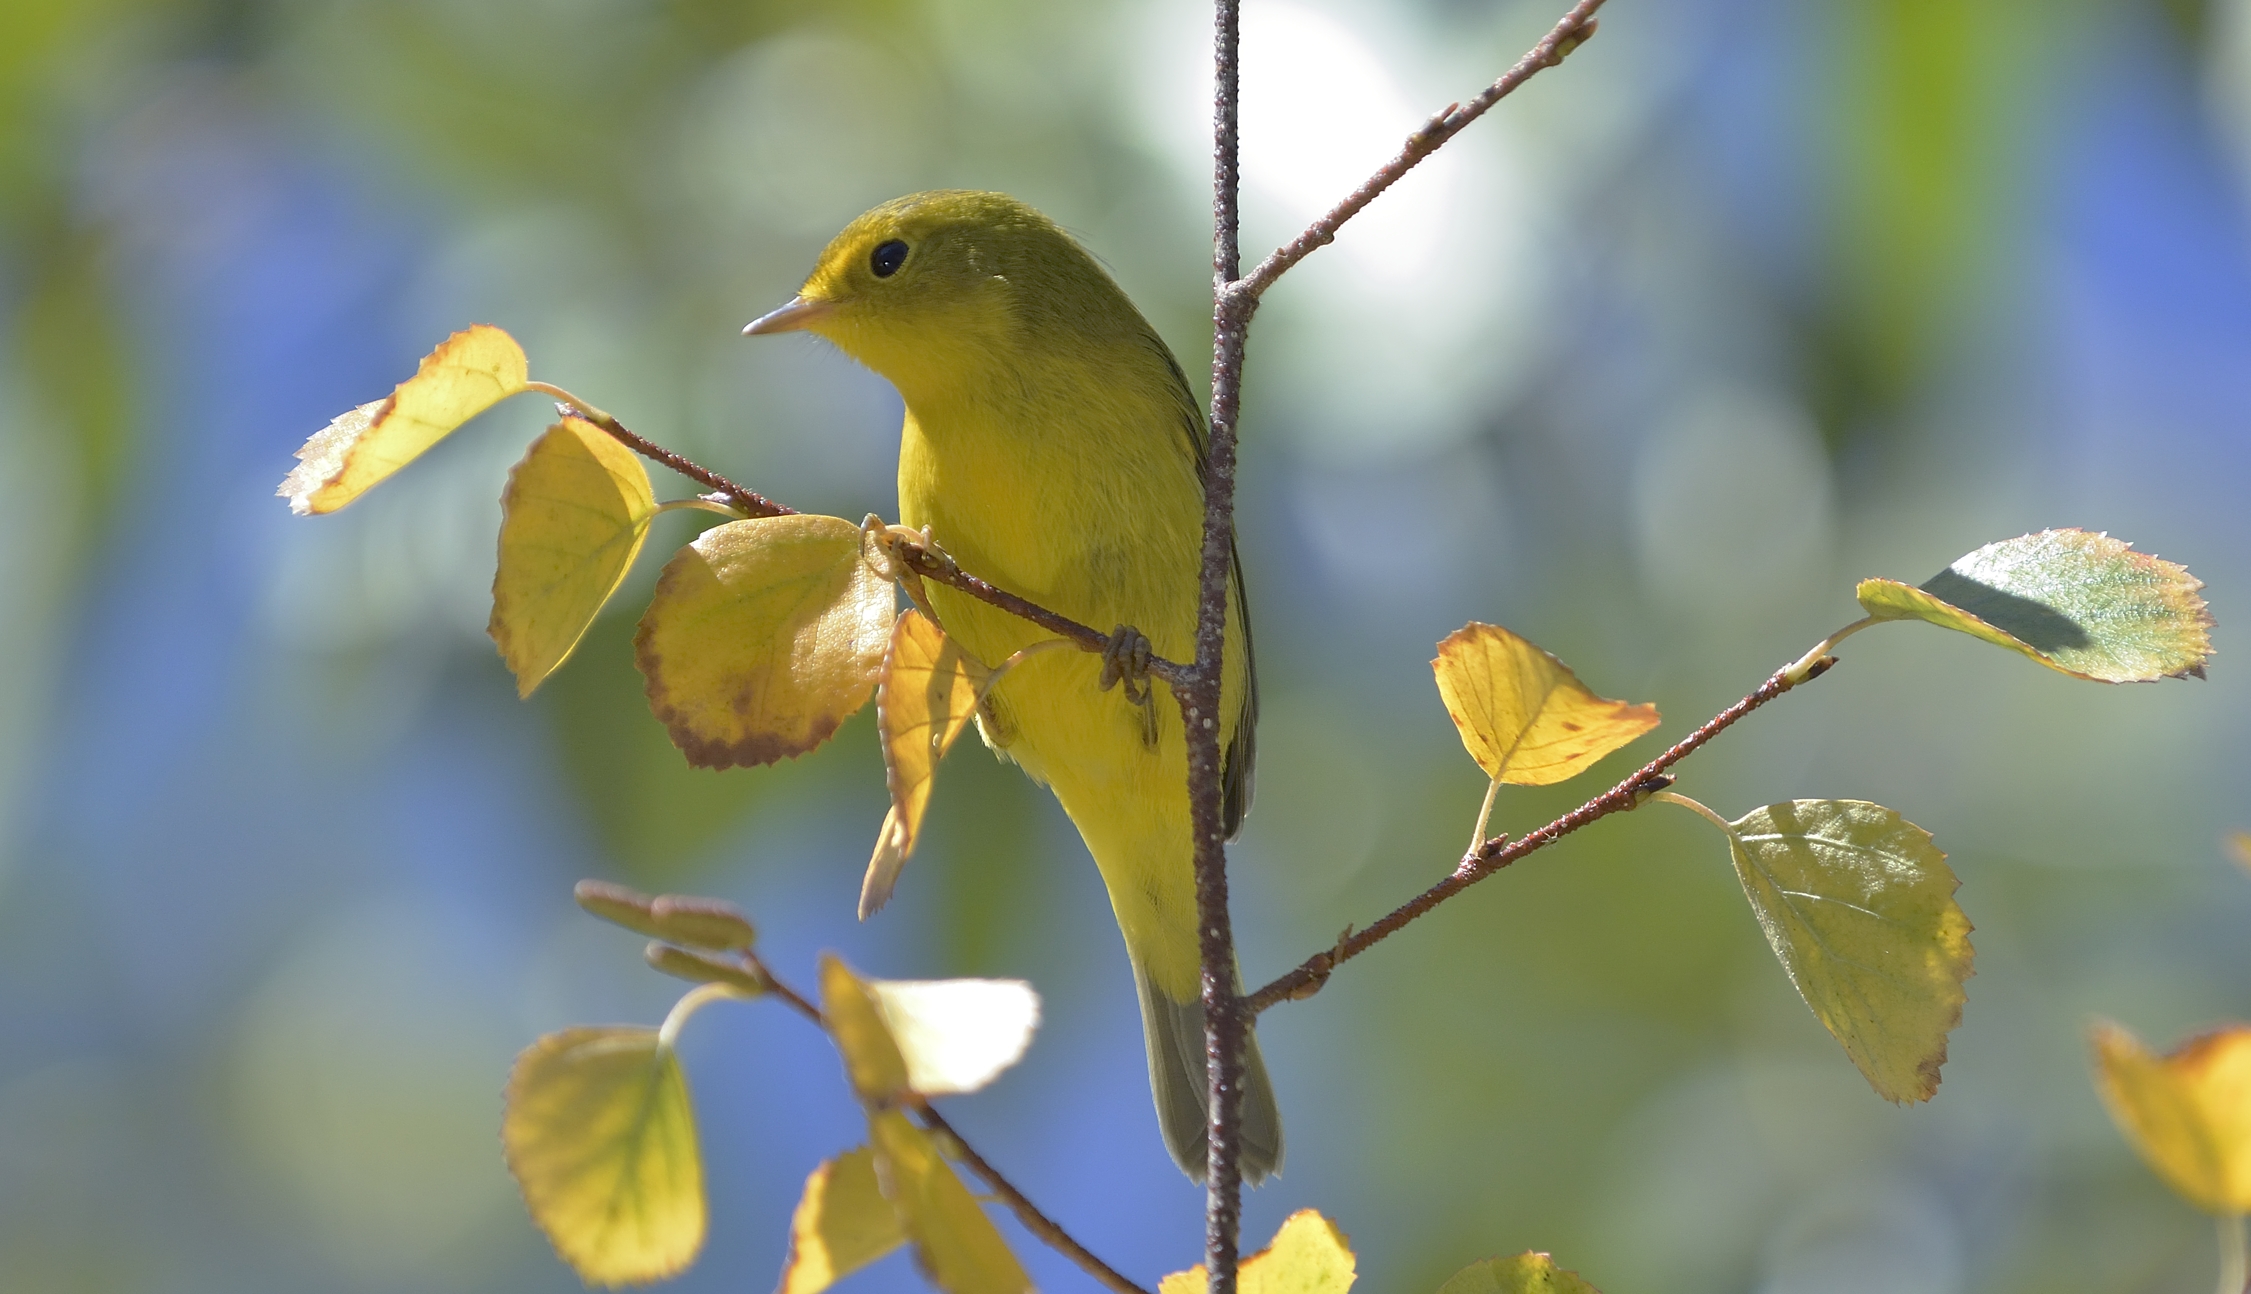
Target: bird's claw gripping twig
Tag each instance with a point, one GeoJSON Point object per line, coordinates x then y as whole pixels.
{"type": "Point", "coordinates": [1125, 659]}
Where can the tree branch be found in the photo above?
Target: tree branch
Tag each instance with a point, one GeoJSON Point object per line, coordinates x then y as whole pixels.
{"type": "Point", "coordinates": [1224, 1021]}
{"type": "Point", "coordinates": [1495, 854]}
{"type": "Point", "coordinates": [1573, 30]}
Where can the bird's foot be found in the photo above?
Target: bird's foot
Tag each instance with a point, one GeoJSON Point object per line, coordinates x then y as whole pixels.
{"type": "Point", "coordinates": [1125, 659]}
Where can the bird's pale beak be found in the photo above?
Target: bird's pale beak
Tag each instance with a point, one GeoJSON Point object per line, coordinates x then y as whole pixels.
{"type": "Point", "coordinates": [800, 313]}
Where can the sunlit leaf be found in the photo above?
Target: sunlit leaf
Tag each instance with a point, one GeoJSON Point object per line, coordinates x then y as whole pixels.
{"type": "Point", "coordinates": [701, 968]}
{"type": "Point", "coordinates": [763, 636]}
{"type": "Point", "coordinates": [1525, 717]}
{"type": "Point", "coordinates": [1859, 905]}
{"type": "Point", "coordinates": [928, 694]}
{"type": "Point", "coordinates": [2239, 848]}
{"type": "Point", "coordinates": [1526, 1273]}
{"type": "Point", "coordinates": [855, 1020]}
{"type": "Point", "coordinates": [677, 918]}
{"type": "Point", "coordinates": [601, 1138]}
{"type": "Point", "coordinates": [1308, 1256]}
{"type": "Point", "coordinates": [2081, 603]}
{"type": "Point", "coordinates": [2187, 1112]}
{"type": "Point", "coordinates": [571, 522]}
{"type": "Point", "coordinates": [467, 374]}
{"type": "Point", "coordinates": [955, 1244]}
{"type": "Point", "coordinates": [842, 1224]}
{"type": "Point", "coordinates": [957, 1035]}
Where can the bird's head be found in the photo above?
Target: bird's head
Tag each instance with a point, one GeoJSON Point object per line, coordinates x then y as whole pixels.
{"type": "Point", "coordinates": [941, 290]}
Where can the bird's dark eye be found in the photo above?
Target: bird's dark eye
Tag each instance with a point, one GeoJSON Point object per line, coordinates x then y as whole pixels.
{"type": "Point", "coordinates": [888, 258]}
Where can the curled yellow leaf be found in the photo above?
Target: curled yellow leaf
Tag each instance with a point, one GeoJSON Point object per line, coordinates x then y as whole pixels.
{"type": "Point", "coordinates": [842, 1224]}
{"type": "Point", "coordinates": [467, 374]}
{"type": "Point", "coordinates": [955, 1244]}
{"type": "Point", "coordinates": [571, 522]}
{"type": "Point", "coordinates": [2187, 1112]}
{"type": "Point", "coordinates": [763, 637]}
{"type": "Point", "coordinates": [1308, 1255]}
{"type": "Point", "coordinates": [1524, 716]}
{"type": "Point", "coordinates": [1859, 906]}
{"type": "Point", "coordinates": [927, 695]}
{"type": "Point", "coordinates": [1525, 1273]}
{"type": "Point", "coordinates": [600, 1135]}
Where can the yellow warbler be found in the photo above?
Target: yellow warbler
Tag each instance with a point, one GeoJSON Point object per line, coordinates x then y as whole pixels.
{"type": "Point", "coordinates": [1053, 447]}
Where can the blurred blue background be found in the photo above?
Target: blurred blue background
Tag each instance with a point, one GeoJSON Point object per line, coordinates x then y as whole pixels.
{"type": "Point", "coordinates": [1751, 299]}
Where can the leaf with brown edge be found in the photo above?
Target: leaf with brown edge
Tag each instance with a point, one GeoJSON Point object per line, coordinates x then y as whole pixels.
{"type": "Point", "coordinates": [1859, 906]}
{"type": "Point", "coordinates": [763, 637]}
{"type": "Point", "coordinates": [1524, 716]}
{"type": "Point", "coordinates": [467, 374]}
{"type": "Point", "coordinates": [2187, 1112]}
{"type": "Point", "coordinates": [1526, 1273]}
{"type": "Point", "coordinates": [2080, 603]}
{"type": "Point", "coordinates": [842, 1224]}
{"type": "Point", "coordinates": [600, 1135]}
{"type": "Point", "coordinates": [571, 522]}
{"type": "Point", "coordinates": [956, 1245]}
{"type": "Point", "coordinates": [1307, 1256]}
{"type": "Point", "coordinates": [927, 695]}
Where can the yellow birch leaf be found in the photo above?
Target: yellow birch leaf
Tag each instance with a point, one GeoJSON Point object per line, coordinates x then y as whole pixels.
{"type": "Point", "coordinates": [956, 1035]}
{"type": "Point", "coordinates": [600, 1135]}
{"type": "Point", "coordinates": [955, 1244]}
{"type": "Point", "coordinates": [2187, 1112]}
{"type": "Point", "coordinates": [2079, 603]}
{"type": "Point", "coordinates": [763, 637]}
{"type": "Point", "coordinates": [1525, 717]}
{"type": "Point", "coordinates": [926, 697]}
{"type": "Point", "coordinates": [842, 1224]}
{"type": "Point", "coordinates": [1859, 906]}
{"type": "Point", "coordinates": [1308, 1256]}
{"type": "Point", "coordinates": [571, 522]}
{"type": "Point", "coordinates": [1526, 1273]}
{"type": "Point", "coordinates": [855, 1020]}
{"type": "Point", "coordinates": [467, 374]}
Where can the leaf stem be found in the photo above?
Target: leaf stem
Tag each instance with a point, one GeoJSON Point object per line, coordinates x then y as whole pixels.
{"type": "Point", "coordinates": [2235, 1256]}
{"type": "Point", "coordinates": [691, 1002]}
{"type": "Point", "coordinates": [1484, 812]}
{"type": "Point", "coordinates": [751, 502]}
{"type": "Point", "coordinates": [1683, 801]}
{"type": "Point", "coordinates": [1801, 669]}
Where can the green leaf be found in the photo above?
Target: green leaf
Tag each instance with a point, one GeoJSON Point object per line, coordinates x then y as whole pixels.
{"type": "Point", "coordinates": [701, 968]}
{"type": "Point", "coordinates": [763, 637]}
{"type": "Point", "coordinates": [2080, 603]}
{"type": "Point", "coordinates": [1526, 1273]}
{"type": "Point", "coordinates": [571, 522]}
{"type": "Point", "coordinates": [842, 1224]}
{"type": "Point", "coordinates": [1308, 1256]}
{"type": "Point", "coordinates": [1859, 905]}
{"type": "Point", "coordinates": [955, 1244]}
{"type": "Point", "coordinates": [600, 1135]}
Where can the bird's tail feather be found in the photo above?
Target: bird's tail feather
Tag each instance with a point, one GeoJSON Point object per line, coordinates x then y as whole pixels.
{"type": "Point", "coordinates": [1177, 1078]}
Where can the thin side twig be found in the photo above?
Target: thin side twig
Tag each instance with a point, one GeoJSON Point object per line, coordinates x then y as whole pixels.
{"type": "Point", "coordinates": [1493, 855]}
{"type": "Point", "coordinates": [1036, 1222]}
{"type": "Point", "coordinates": [1570, 32]}
{"type": "Point", "coordinates": [1039, 1224]}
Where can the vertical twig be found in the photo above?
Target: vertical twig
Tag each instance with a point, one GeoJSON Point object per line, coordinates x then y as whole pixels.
{"type": "Point", "coordinates": [1200, 702]}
